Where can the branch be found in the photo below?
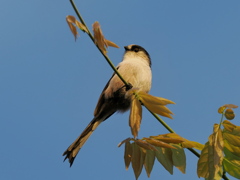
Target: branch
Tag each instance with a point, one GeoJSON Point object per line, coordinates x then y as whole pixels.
{"type": "Point", "coordinates": [104, 55]}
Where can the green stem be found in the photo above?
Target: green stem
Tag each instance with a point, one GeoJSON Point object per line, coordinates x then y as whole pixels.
{"type": "Point", "coordinates": [161, 121]}
{"type": "Point", "coordinates": [171, 130]}
{"type": "Point", "coordinates": [92, 38]}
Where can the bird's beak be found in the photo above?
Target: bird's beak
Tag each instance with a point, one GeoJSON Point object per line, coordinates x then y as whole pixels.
{"type": "Point", "coordinates": [126, 48]}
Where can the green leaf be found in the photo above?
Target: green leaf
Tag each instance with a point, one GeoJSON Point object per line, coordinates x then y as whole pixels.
{"type": "Point", "coordinates": [179, 158]}
{"type": "Point", "coordinates": [149, 161]}
{"type": "Point", "coordinates": [232, 167]}
{"type": "Point", "coordinates": [164, 156]}
{"type": "Point", "coordinates": [137, 159]}
{"type": "Point", "coordinates": [128, 154]}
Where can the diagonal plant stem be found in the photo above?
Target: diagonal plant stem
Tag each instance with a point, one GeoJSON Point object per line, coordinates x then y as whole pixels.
{"type": "Point", "coordinates": [92, 38]}
{"type": "Point", "coordinates": [171, 130]}
{"type": "Point", "coordinates": [126, 83]}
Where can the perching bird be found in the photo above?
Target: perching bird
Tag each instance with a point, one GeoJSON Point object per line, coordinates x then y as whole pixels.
{"type": "Point", "coordinates": [135, 68]}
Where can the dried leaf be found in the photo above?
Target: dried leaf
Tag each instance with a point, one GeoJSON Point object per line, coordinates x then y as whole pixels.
{"type": "Point", "coordinates": [149, 161]}
{"type": "Point", "coordinates": [128, 154]}
{"type": "Point", "coordinates": [72, 20]}
{"type": "Point", "coordinates": [81, 26]}
{"type": "Point", "coordinates": [157, 143]}
{"type": "Point", "coordinates": [99, 38]}
{"type": "Point", "coordinates": [135, 117]}
{"type": "Point", "coordinates": [110, 43]}
{"type": "Point", "coordinates": [230, 106]}
{"type": "Point", "coordinates": [137, 160]}
{"type": "Point", "coordinates": [179, 158]}
{"type": "Point", "coordinates": [164, 156]}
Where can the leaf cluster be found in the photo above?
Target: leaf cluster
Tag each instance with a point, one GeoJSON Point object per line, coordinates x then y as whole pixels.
{"type": "Point", "coordinates": [166, 148]}
{"type": "Point", "coordinates": [221, 152]}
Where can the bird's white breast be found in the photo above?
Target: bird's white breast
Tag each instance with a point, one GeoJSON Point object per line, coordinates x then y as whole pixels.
{"type": "Point", "coordinates": [137, 72]}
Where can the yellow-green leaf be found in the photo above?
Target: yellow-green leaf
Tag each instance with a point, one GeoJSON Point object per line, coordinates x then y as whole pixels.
{"type": "Point", "coordinates": [228, 125]}
{"type": "Point", "coordinates": [149, 161]}
{"type": "Point", "coordinates": [164, 156]}
{"type": "Point", "coordinates": [145, 145]}
{"type": "Point", "coordinates": [232, 167]}
{"type": "Point", "coordinates": [210, 161]}
{"type": "Point", "coordinates": [158, 109]}
{"type": "Point", "coordinates": [192, 144]}
{"type": "Point", "coordinates": [233, 149]}
{"type": "Point", "coordinates": [231, 135]}
{"type": "Point", "coordinates": [215, 151]}
{"type": "Point", "coordinates": [128, 154]}
{"type": "Point", "coordinates": [185, 143]}
{"type": "Point", "coordinates": [135, 117]}
{"type": "Point", "coordinates": [158, 143]}
{"type": "Point", "coordinates": [232, 139]}
{"type": "Point", "coordinates": [230, 156]}
{"type": "Point", "coordinates": [202, 166]}
{"type": "Point", "coordinates": [137, 159]}
{"type": "Point", "coordinates": [147, 98]}
{"type": "Point", "coordinates": [221, 109]}
{"type": "Point", "coordinates": [179, 158]}
{"type": "Point", "coordinates": [165, 138]}
{"type": "Point", "coordinates": [229, 114]}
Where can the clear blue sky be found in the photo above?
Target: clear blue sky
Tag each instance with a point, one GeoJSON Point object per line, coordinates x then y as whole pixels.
{"type": "Point", "coordinates": [50, 84]}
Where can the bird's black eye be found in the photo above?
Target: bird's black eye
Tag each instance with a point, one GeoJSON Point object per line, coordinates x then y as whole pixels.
{"type": "Point", "coordinates": [136, 49]}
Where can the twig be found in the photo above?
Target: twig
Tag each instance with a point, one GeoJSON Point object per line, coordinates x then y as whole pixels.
{"type": "Point", "coordinates": [92, 38]}
{"type": "Point", "coordinates": [171, 130]}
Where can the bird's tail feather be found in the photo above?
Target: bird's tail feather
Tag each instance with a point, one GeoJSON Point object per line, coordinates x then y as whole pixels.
{"type": "Point", "coordinates": [74, 148]}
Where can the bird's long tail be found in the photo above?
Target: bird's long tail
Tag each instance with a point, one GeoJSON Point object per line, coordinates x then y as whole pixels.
{"type": "Point", "coordinates": [74, 148]}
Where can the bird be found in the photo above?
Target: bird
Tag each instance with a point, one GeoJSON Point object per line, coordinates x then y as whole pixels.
{"type": "Point", "coordinates": [135, 68]}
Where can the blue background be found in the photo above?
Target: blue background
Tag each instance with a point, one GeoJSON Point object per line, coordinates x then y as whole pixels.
{"type": "Point", "coordinates": [49, 84]}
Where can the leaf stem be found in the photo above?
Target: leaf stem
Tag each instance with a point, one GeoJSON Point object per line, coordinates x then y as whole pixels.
{"type": "Point", "coordinates": [171, 130]}
{"type": "Point", "coordinates": [92, 38]}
